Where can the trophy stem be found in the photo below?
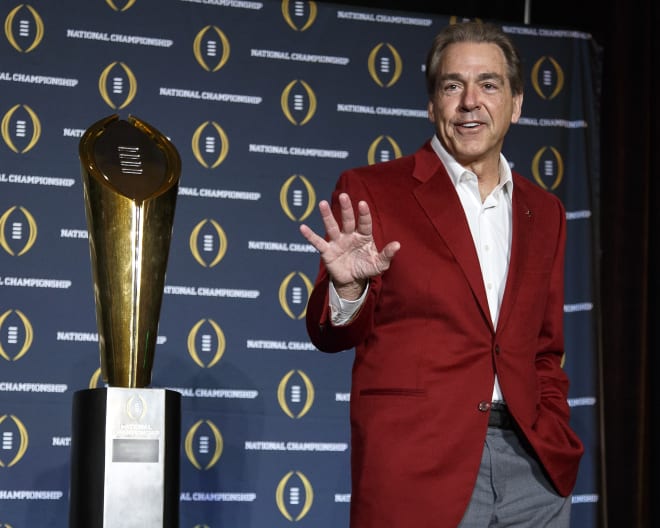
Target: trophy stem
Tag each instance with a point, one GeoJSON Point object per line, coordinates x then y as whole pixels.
{"type": "Point", "coordinates": [126, 438]}
{"type": "Point", "coordinates": [130, 174]}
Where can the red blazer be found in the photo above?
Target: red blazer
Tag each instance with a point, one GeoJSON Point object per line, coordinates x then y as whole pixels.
{"type": "Point", "coordinates": [425, 346]}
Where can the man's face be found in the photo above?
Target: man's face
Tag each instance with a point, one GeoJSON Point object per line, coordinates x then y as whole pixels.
{"type": "Point", "coordinates": [473, 105]}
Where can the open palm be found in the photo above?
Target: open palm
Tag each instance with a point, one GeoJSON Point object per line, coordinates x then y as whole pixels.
{"type": "Point", "coordinates": [349, 252]}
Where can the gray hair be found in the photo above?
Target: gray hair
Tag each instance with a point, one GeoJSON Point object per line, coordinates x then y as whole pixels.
{"type": "Point", "coordinates": [479, 32]}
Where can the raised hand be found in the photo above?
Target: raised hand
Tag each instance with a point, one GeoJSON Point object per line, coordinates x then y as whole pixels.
{"type": "Point", "coordinates": [350, 254]}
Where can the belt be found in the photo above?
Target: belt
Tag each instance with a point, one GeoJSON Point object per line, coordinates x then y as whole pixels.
{"type": "Point", "coordinates": [500, 417]}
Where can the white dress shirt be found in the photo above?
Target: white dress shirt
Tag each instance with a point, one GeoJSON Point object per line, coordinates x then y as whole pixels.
{"type": "Point", "coordinates": [490, 226]}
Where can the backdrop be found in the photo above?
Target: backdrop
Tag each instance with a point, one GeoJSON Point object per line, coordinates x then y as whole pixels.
{"type": "Point", "coordinates": [267, 102]}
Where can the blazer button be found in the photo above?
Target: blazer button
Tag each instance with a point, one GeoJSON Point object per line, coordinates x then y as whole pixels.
{"type": "Point", "coordinates": [483, 406]}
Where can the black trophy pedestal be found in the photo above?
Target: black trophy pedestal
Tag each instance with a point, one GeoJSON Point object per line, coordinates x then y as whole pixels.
{"type": "Point", "coordinates": [125, 446]}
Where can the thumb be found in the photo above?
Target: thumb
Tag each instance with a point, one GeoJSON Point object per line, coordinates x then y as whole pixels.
{"type": "Point", "coordinates": [390, 250]}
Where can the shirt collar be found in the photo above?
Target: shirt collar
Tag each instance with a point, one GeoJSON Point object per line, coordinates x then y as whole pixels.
{"type": "Point", "coordinates": [456, 170]}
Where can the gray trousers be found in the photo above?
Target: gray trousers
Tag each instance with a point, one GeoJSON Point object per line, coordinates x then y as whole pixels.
{"type": "Point", "coordinates": [512, 490]}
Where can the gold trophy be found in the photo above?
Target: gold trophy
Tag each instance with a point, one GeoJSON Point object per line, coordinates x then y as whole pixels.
{"type": "Point", "coordinates": [130, 174]}
{"type": "Point", "coordinates": [125, 439]}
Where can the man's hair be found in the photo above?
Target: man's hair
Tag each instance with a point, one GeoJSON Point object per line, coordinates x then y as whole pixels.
{"type": "Point", "coordinates": [479, 32]}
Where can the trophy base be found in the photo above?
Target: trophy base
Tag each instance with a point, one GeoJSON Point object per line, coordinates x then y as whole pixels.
{"type": "Point", "coordinates": [125, 446]}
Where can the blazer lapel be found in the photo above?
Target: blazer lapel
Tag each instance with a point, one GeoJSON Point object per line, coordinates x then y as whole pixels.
{"type": "Point", "coordinates": [437, 197]}
{"type": "Point", "coordinates": [522, 223]}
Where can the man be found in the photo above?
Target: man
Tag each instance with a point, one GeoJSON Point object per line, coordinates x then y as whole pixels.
{"type": "Point", "coordinates": [447, 278]}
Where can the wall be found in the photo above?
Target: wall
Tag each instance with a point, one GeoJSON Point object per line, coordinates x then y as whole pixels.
{"type": "Point", "coordinates": [267, 102]}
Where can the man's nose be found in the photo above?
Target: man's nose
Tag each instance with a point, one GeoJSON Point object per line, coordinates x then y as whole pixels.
{"type": "Point", "coordinates": [470, 99]}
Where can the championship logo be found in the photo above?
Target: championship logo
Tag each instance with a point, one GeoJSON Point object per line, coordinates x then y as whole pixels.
{"type": "Point", "coordinates": [115, 7]}
{"type": "Point", "coordinates": [210, 144]}
{"type": "Point", "coordinates": [295, 394]}
{"type": "Point", "coordinates": [203, 445]}
{"type": "Point", "coordinates": [208, 243]}
{"type": "Point", "coordinates": [15, 440]}
{"type": "Point", "coordinates": [16, 335]}
{"type": "Point", "coordinates": [136, 408]}
{"type": "Point", "coordinates": [547, 78]}
{"type": "Point", "coordinates": [298, 102]}
{"type": "Point", "coordinates": [294, 496]}
{"type": "Point", "coordinates": [297, 198]}
{"type": "Point", "coordinates": [385, 65]}
{"type": "Point", "coordinates": [382, 149]}
{"type": "Point", "coordinates": [117, 85]}
{"type": "Point", "coordinates": [24, 28]}
{"type": "Point", "coordinates": [548, 168]}
{"type": "Point", "coordinates": [294, 293]}
{"type": "Point", "coordinates": [211, 48]}
{"type": "Point", "coordinates": [21, 128]}
{"type": "Point", "coordinates": [206, 343]}
{"type": "Point", "coordinates": [18, 231]}
{"type": "Point", "coordinates": [299, 14]}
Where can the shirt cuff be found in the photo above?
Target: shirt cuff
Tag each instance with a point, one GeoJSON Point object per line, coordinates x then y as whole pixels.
{"type": "Point", "coordinates": [342, 311]}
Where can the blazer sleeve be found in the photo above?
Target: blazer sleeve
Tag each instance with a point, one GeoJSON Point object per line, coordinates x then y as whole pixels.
{"type": "Point", "coordinates": [323, 334]}
{"type": "Point", "coordinates": [557, 444]}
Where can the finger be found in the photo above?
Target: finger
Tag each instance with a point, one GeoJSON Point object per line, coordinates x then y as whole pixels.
{"type": "Point", "coordinates": [365, 224]}
{"type": "Point", "coordinates": [329, 221]}
{"type": "Point", "coordinates": [347, 214]}
{"type": "Point", "coordinates": [386, 255]}
{"type": "Point", "coordinates": [313, 238]}
{"type": "Point", "coordinates": [390, 250]}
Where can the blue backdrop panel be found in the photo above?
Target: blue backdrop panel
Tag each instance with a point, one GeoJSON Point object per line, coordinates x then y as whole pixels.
{"type": "Point", "coordinates": [267, 102]}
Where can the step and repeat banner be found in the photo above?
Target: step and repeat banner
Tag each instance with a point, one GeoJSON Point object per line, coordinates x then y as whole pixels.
{"type": "Point", "coordinates": [267, 102]}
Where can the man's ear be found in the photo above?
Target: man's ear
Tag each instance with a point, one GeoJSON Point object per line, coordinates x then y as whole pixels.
{"type": "Point", "coordinates": [429, 109]}
{"type": "Point", "coordinates": [517, 107]}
